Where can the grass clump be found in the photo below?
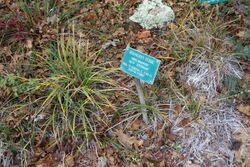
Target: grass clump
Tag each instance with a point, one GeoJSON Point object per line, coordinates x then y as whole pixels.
{"type": "Point", "coordinates": [79, 87]}
{"type": "Point", "coordinates": [69, 102]}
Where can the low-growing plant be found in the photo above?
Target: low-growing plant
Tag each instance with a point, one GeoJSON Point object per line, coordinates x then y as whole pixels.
{"type": "Point", "coordinates": [76, 86]}
{"type": "Point", "coordinates": [193, 106]}
{"type": "Point", "coordinates": [70, 101]}
{"type": "Point", "coordinates": [13, 29]}
{"type": "Point", "coordinates": [15, 85]}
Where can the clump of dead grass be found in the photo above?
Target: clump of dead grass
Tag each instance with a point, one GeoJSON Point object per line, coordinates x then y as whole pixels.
{"type": "Point", "coordinates": [206, 59]}
{"type": "Point", "coordinates": [206, 75]}
{"type": "Point", "coordinates": [209, 138]}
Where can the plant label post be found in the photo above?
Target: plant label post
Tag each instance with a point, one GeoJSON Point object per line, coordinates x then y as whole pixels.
{"type": "Point", "coordinates": [213, 1]}
{"type": "Point", "coordinates": [142, 67]}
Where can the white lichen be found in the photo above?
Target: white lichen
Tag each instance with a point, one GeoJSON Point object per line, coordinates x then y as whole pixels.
{"type": "Point", "coordinates": [209, 66]}
{"type": "Point", "coordinates": [207, 141]}
{"type": "Point", "coordinates": [207, 75]}
{"type": "Point", "coordinates": [153, 14]}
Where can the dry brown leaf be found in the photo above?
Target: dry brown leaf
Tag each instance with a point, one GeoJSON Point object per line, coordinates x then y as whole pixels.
{"type": "Point", "coordinates": [177, 108]}
{"type": "Point", "coordinates": [149, 132]}
{"type": "Point", "coordinates": [143, 34]}
{"type": "Point", "coordinates": [119, 31]}
{"type": "Point", "coordinates": [48, 160]}
{"type": "Point", "coordinates": [69, 161]}
{"type": "Point", "coordinates": [185, 121]}
{"type": "Point", "coordinates": [90, 16]}
{"type": "Point", "coordinates": [108, 1]}
{"type": "Point", "coordinates": [127, 140]}
{"type": "Point", "coordinates": [136, 125]}
{"type": "Point", "coordinates": [141, 48]}
{"type": "Point", "coordinates": [247, 75]}
{"type": "Point", "coordinates": [155, 156]}
{"type": "Point", "coordinates": [39, 165]}
{"type": "Point", "coordinates": [244, 108]}
{"type": "Point", "coordinates": [170, 74]}
{"type": "Point", "coordinates": [28, 43]}
{"type": "Point", "coordinates": [1, 67]}
{"type": "Point", "coordinates": [241, 146]}
{"type": "Point", "coordinates": [170, 136]}
{"type": "Point", "coordinates": [241, 34]}
{"type": "Point", "coordinates": [15, 59]}
{"type": "Point", "coordinates": [206, 5]}
{"type": "Point", "coordinates": [172, 26]}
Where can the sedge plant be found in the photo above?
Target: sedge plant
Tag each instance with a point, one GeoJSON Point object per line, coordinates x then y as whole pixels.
{"type": "Point", "coordinates": [69, 102]}
{"type": "Point", "coordinates": [79, 87]}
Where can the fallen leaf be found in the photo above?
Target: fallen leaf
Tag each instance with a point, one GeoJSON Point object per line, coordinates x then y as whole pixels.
{"type": "Point", "coordinates": [206, 5]}
{"type": "Point", "coordinates": [48, 160]}
{"type": "Point", "coordinates": [1, 67]}
{"type": "Point", "coordinates": [170, 74]}
{"type": "Point", "coordinates": [28, 43]}
{"type": "Point", "coordinates": [119, 31]}
{"type": "Point", "coordinates": [172, 26]}
{"type": "Point", "coordinates": [185, 121]}
{"type": "Point", "coordinates": [241, 34]}
{"type": "Point", "coordinates": [241, 146]}
{"type": "Point", "coordinates": [90, 16]}
{"type": "Point", "coordinates": [244, 108]}
{"type": "Point", "coordinates": [149, 132]}
{"type": "Point", "coordinates": [136, 125]}
{"type": "Point", "coordinates": [177, 108]}
{"type": "Point", "coordinates": [108, 1]}
{"type": "Point", "coordinates": [156, 156]}
{"type": "Point", "coordinates": [16, 58]}
{"type": "Point", "coordinates": [141, 49]}
{"type": "Point", "coordinates": [127, 140]}
{"type": "Point", "coordinates": [247, 75]}
{"type": "Point", "coordinates": [143, 34]}
{"type": "Point", "coordinates": [170, 136]}
{"type": "Point", "coordinates": [52, 19]}
{"type": "Point", "coordinates": [69, 161]}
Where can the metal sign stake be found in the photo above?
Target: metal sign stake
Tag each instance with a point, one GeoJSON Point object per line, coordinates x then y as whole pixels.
{"type": "Point", "coordinates": [142, 99]}
{"type": "Point", "coordinates": [143, 68]}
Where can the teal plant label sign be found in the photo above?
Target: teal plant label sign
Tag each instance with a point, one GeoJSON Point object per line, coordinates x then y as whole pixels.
{"type": "Point", "coordinates": [140, 65]}
{"type": "Point", "coordinates": [213, 1]}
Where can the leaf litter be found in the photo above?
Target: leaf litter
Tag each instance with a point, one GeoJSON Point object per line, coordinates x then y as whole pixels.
{"type": "Point", "coordinates": [186, 131]}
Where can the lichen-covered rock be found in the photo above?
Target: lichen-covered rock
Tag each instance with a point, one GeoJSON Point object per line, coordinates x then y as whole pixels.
{"type": "Point", "coordinates": [152, 14]}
